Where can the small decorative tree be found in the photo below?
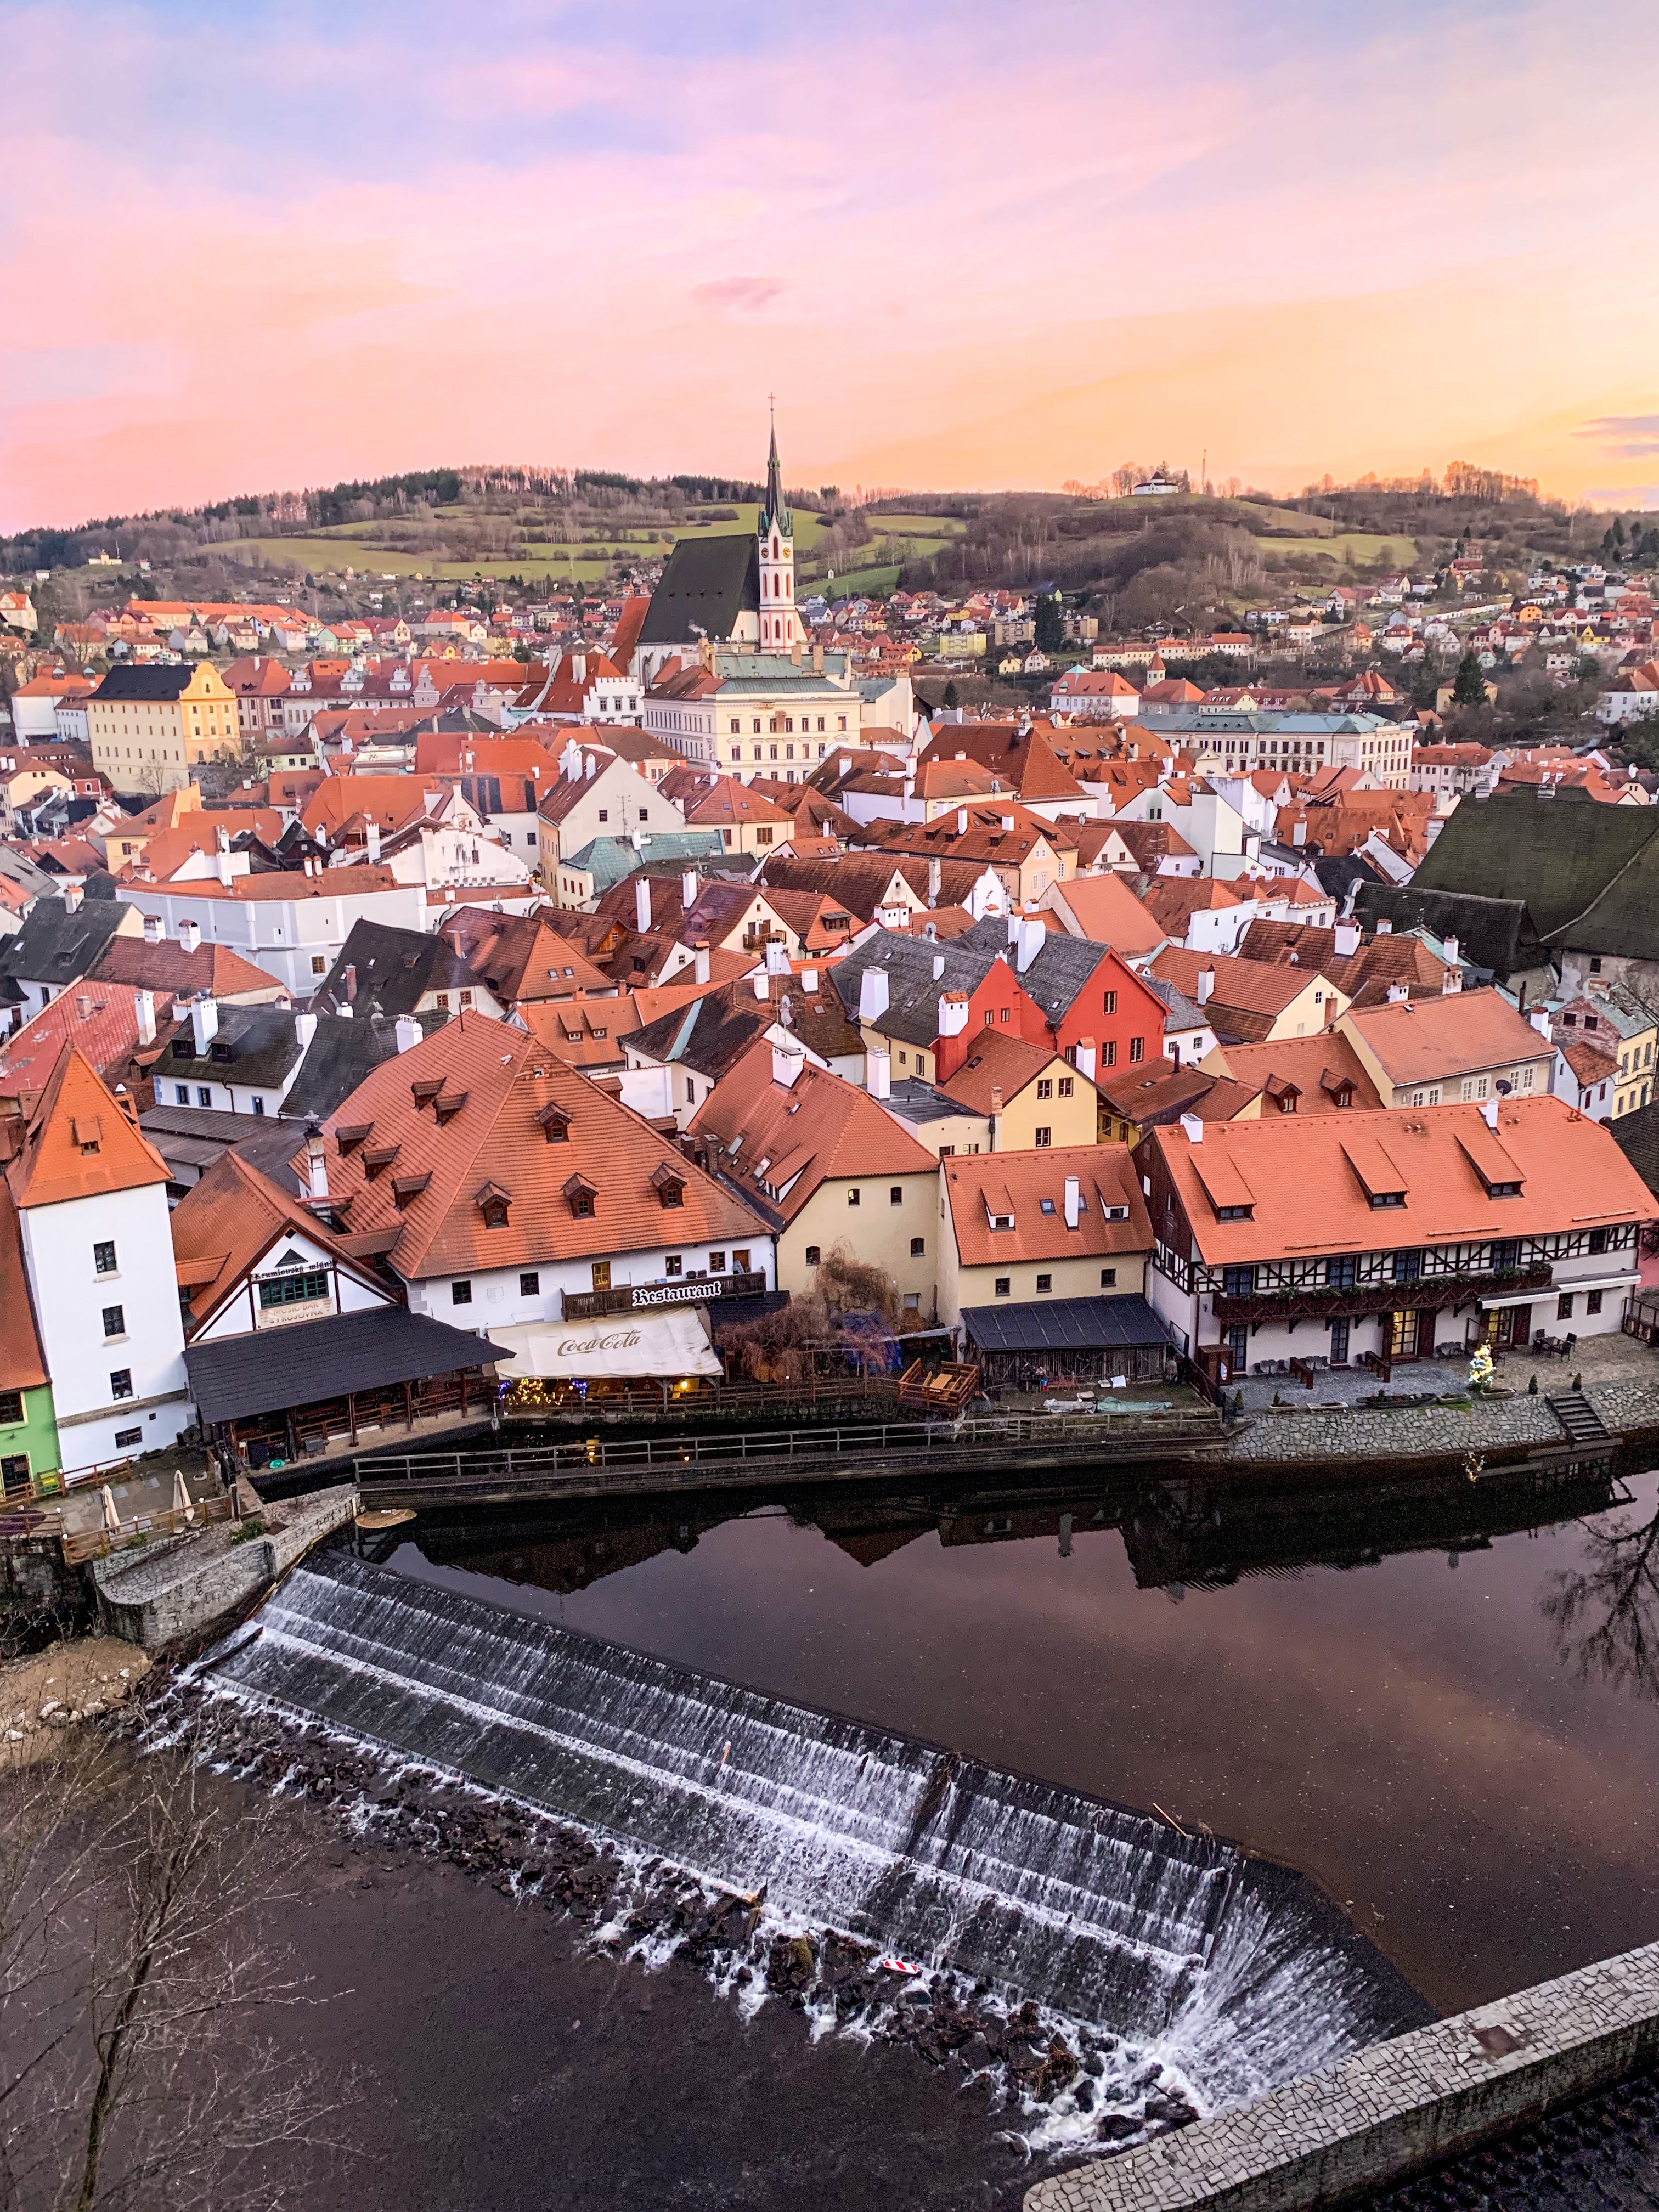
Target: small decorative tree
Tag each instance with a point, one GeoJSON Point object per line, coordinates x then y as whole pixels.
{"type": "Point", "coordinates": [1482, 1367]}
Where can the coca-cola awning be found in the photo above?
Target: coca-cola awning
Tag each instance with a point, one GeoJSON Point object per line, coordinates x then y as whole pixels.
{"type": "Point", "coordinates": [614, 1347]}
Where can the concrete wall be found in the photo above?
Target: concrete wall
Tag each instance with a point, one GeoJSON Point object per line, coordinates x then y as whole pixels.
{"type": "Point", "coordinates": [171, 1591]}
{"type": "Point", "coordinates": [1394, 2109]}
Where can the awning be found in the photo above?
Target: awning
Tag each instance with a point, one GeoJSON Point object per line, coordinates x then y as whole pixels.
{"type": "Point", "coordinates": [1559, 1290]}
{"type": "Point", "coordinates": [1543, 1293]}
{"type": "Point", "coordinates": [1602, 1283]}
{"type": "Point", "coordinates": [618, 1347]}
{"type": "Point", "coordinates": [272, 1369]}
{"type": "Point", "coordinates": [1064, 1325]}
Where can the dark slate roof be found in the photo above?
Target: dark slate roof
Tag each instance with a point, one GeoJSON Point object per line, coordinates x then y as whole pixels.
{"type": "Point", "coordinates": [1557, 855]}
{"type": "Point", "coordinates": [1601, 2152]}
{"type": "Point", "coordinates": [345, 1049]}
{"type": "Point", "coordinates": [709, 1034]}
{"type": "Point", "coordinates": [1179, 1010]}
{"type": "Point", "coordinates": [913, 989]}
{"type": "Point", "coordinates": [153, 680]}
{"type": "Point", "coordinates": [708, 583]}
{"type": "Point", "coordinates": [919, 1102]}
{"type": "Point", "coordinates": [1624, 920]}
{"type": "Point", "coordinates": [235, 1376]}
{"type": "Point", "coordinates": [1064, 1325]}
{"type": "Point", "coordinates": [1636, 1136]}
{"type": "Point", "coordinates": [1334, 872]}
{"type": "Point", "coordinates": [56, 947]}
{"type": "Point", "coordinates": [261, 1042]}
{"type": "Point", "coordinates": [396, 968]}
{"type": "Point", "coordinates": [1060, 967]}
{"type": "Point", "coordinates": [1496, 934]}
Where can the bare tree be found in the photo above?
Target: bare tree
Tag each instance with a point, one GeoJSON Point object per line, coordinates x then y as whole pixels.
{"type": "Point", "coordinates": [134, 2064]}
{"type": "Point", "coordinates": [1605, 1616]}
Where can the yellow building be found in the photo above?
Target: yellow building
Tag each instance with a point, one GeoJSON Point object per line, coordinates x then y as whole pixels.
{"type": "Point", "coordinates": [149, 725]}
{"type": "Point", "coordinates": [1007, 1096]}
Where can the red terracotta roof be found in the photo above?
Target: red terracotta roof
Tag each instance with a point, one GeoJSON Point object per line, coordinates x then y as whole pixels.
{"type": "Point", "coordinates": [79, 1143]}
{"type": "Point", "coordinates": [979, 1186]}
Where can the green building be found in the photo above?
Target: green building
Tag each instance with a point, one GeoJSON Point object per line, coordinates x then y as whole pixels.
{"type": "Point", "coordinates": [30, 1461]}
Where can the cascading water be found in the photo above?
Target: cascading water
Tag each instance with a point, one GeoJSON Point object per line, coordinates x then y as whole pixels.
{"type": "Point", "coordinates": [1240, 1970]}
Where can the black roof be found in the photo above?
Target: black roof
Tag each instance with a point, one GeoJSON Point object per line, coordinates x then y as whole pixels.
{"type": "Point", "coordinates": [153, 680]}
{"type": "Point", "coordinates": [1557, 856]}
{"type": "Point", "coordinates": [912, 988]}
{"type": "Point", "coordinates": [56, 945]}
{"type": "Point", "coordinates": [255, 1045]}
{"type": "Point", "coordinates": [345, 1049]}
{"type": "Point", "coordinates": [396, 968]}
{"type": "Point", "coordinates": [1637, 1135]}
{"type": "Point", "coordinates": [1064, 1325]}
{"type": "Point", "coordinates": [1496, 934]}
{"type": "Point", "coordinates": [233, 1377]}
{"type": "Point", "coordinates": [1058, 970]}
{"type": "Point", "coordinates": [708, 583]}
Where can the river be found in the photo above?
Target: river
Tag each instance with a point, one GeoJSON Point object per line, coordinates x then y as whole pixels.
{"type": "Point", "coordinates": [1436, 1696]}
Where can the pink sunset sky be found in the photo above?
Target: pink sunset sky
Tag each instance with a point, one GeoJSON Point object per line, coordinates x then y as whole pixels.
{"type": "Point", "coordinates": [245, 247]}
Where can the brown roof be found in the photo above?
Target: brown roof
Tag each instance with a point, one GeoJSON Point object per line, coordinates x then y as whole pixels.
{"type": "Point", "coordinates": [1105, 909]}
{"type": "Point", "coordinates": [1315, 1067]}
{"type": "Point", "coordinates": [21, 1365]}
{"type": "Point", "coordinates": [999, 1061]}
{"type": "Point", "coordinates": [1426, 1040]}
{"type": "Point", "coordinates": [978, 1186]}
{"type": "Point", "coordinates": [225, 1225]}
{"type": "Point", "coordinates": [521, 956]}
{"type": "Point", "coordinates": [79, 1142]}
{"type": "Point", "coordinates": [1305, 1179]}
{"type": "Point", "coordinates": [1249, 995]}
{"type": "Point", "coordinates": [507, 1091]}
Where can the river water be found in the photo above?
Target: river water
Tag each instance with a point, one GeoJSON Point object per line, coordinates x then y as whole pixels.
{"type": "Point", "coordinates": [1439, 1697]}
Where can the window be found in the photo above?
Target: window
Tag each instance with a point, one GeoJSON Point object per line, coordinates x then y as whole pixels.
{"type": "Point", "coordinates": [1505, 1254]}
{"type": "Point", "coordinates": [259, 1106]}
{"type": "Point", "coordinates": [1342, 1272]}
{"type": "Point", "coordinates": [1598, 1240]}
{"type": "Point", "coordinates": [1109, 1003]}
{"type": "Point", "coordinates": [604, 814]}
{"type": "Point", "coordinates": [125, 1439]}
{"type": "Point", "coordinates": [11, 1408]}
{"type": "Point", "coordinates": [896, 1194]}
{"type": "Point", "coordinates": [852, 1197]}
{"type": "Point", "coordinates": [1564, 1306]}
{"type": "Point", "coordinates": [296, 1288]}
{"type": "Point", "coordinates": [1234, 1212]}
{"type": "Point", "coordinates": [1003, 1285]}
{"type": "Point", "coordinates": [1045, 1087]}
{"type": "Point", "coordinates": [181, 1094]}
{"type": "Point", "coordinates": [1045, 1283]}
{"type": "Point", "coordinates": [115, 1321]}
{"type": "Point", "coordinates": [1066, 1085]}
{"type": "Point", "coordinates": [204, 1094]}
{"type": "Point", "coordinates": [120, 1383]}
{"type": "Point", "coordinates": [103, 1259]}
{"type": "Point", "coordinates": [1111, 1052]}
{"type": "Point", "coordinates": [813, 1255]}
{"type": "Point", "coordinates": [1592, 1302]}
{"type": "Point", "coordinates": [1108, 1279]}
{"type": "Point", "coordinates": [1002, 1013]}
{"type": "Point", "coordinates": [1237, 1282]}
{"type": "Point", "coordinates": [1137, 1048]}
{"type": "Point", "coordinates": [1045, 1135]}
{"type": "Point", "coordinates": [1407, 1267]}
{"type": "Point", "coordinates": [674, 1263]}
{"type": "Point", "coordinates": [918, 1247]}
{"type": "Point", "coordinates": [319, 964]}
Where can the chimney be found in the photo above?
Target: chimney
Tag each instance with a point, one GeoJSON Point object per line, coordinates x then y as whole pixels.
{"type": "Point", "coordinates": [1206, 985]}
{"type": "Point", "coordinates": [872, 995]}
{"type": "Point", "coordinates": [407, 1033]}
{"type": "Point", "coordinates": [1398, 994]}
{"type": "Point", "coordinates": [1031, 934]}
{"type": "Point", "coordinates": [190, 936]}
{"type": "Point", "coordinates": [996, 1117]}
{"type": "Point", "coordinates": [763, 983]}
{"type": "Point", "coordinates": [688, 889]}
{"type": "Point", "coordinates": [1489, 1115]}
{"type": "Point", "coordinates": [952, 1013]}
{"type": "Point", "coordinates": [590, 762]}
{"type": "Point", "coordinates": [316, 1164]}
{"type": "Point", "coordinates": [777, 956]}
{"type": "Point", "coordinates": [939, 966]}
{"type": "Point", "coordinates": [700, 952]}
{"type": "Point", "coordinates": [1385, 927]}
{"type": "Point", "coordinates": [642, 906]}
{"type": "Point", "coordinates": [1192, 1128]}
{"type": "Point", "coordinates": [1299, 833]}
{"type": "Point", "coordinates": [1346, 934]}
{"type": "Point", "coordinates": [880, 1065]}
{"type": "Point", "coordinates": [349, 979]}
{"type": "Point", "coordinates": [143, 1008]}
{"type": "Point", "coordinates": [153, 929]}
{"type": "Point", "coordinates": [373, 844]}
{"type": "Point", "coordinates": [205, 1021]}
{"type": "Point", "coordinates": [73, 894]}
{"type": "Point", "coordinates": [1449, 948]}
{"type": "Point", "coordinates": [1085, 1059]}
{"type": "Point", "coordinates": [787, 1061]}
{"type": "Point", "coordinates": [809, 981]}
{"type": "Point", "coordinates": [935, 873]}
{"type": "Point", "coordinates": [305, 1028]}
{"type": "Point", "coordinates": [1540, 1022]}
{"type": "Point", "coordinates": [962, 820]}
{"type": "Point", "coordinates": [1074, 1202]}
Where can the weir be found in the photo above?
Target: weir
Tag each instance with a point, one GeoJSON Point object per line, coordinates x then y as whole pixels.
{"type": "Point", "coordinates": [1240, 1971]}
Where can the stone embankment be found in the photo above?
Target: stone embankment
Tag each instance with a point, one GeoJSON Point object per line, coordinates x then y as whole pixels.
{"type": "Point", "coordinates": [180, 1587]}
{"type": "Point", "coordinates": [1359, 1433]}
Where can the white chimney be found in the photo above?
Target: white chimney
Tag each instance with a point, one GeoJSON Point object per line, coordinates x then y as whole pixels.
{"type": "Point", "coordinates": [373, 844]}
{"type": "Point", "coordinates": [153, 929]}
{"type": "Point", "coordinates": [224, 860]}
{"type": "Point", "coordinates": [642, 906]}
{"type": "Point", "coordinates": [1398, 994]}
{"type": "Point", "coordinates": [688, 889]}
{"type": "Point", "coordinates": [788, 1061]}
{"type": "Point", "coordinates": [1192, 1128]}
{"type": "Point", "coordinates": [962, 820]}
{"type": "Point", "coordinates": [590, 762]}
{"type": "Point", "coordinates": [1385, 927]}
{"type": "Point", "coordinates": [701, 960]}
{"type": "Point", "coordinates": [1347, 940]}
{"type": "Point", "coordinates": [570, 761]}
{"type": "Point", "coordinates": [809, 981]}
{"type": "Point", "coordinates": [872, 995]}
{"type": "Point", "coordinates": [763, 983]}
{"type": "Point", "coordinates": [73, 894]}
{"type": "Point", "coordinates": [1449, 947]}
{"type": "Point", "coordinates": [205, 1021]}
{"type": "Point", "coordinates": [316, 1166]}
{"type": "Point", "coordinates": [777, 956]}
{"type": "Point", "coordinates": [1541, 1021]}
{"type": "Point", "coordinates": [952, 1013]}
{"type": "Point", "coordinates": [305, 1028]}
{"type": "Point", "coordinates": [1206, 985]}
{"type": "Point", "coordinates": [407, 1033]}
{"type": "Point", "coordinates": [935, 874]}
{"type": "Point", "coordinates": [1074, 1202]}
{"type": "Point", "coordinates": [1031, 934]}
{"type": "Point", "coordinates": [879, 1065]}
{"type": "Point", "coordinates": [190, 936]}
{"type": "Point", "coordinates": [1488, 1114]}
{"type": "Point", "coordinates": [1085, 1059]}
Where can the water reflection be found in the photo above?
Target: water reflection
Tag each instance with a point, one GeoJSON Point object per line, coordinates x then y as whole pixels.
{"type": "Point", "coordinates": [1605, 1614]}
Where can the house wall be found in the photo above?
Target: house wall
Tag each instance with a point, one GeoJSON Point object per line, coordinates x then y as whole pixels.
{"type": "Point", "coordinates": [242, 1314]}
{"type": "Point", "coordinates": [615, 802]}
{"type": "Point", "coordinates": [35, 1436]}
{"type": "Point", "coordinates": [295, 940]}
{"type": "Point", "coordinates": [874, 1231]}
{"type": "Point", "coordinates": [70, 1297]}
{"type": "Point", "coordinates": [498, 1299]}
{"type": "Point", "coordinates": [1121, 1274]}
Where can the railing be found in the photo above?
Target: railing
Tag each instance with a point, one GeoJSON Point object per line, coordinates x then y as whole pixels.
{"type": "Point", "coordinates": [644, 1297]}
{"type": "Point", "coordinates": [1420, 1293]}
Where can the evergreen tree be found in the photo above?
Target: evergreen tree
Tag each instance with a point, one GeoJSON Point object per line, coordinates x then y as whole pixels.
{"type": "Point", "coordinates": [1050, 623]}
{"type": "Point", "coordinates": [952, 697]}
{"type": "Point", "coordinates": [1469, 685]}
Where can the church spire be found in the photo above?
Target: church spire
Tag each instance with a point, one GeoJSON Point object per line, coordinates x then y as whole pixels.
{"type": "Point", "coordinates": [774, 512]}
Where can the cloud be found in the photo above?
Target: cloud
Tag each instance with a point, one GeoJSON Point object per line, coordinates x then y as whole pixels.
{"type": "Point", "coordinates": [1631, 437]}
{"type": "Point", "coordinates": [739, 294]}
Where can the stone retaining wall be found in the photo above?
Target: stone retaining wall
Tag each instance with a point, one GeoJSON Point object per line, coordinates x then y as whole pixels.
{"type": "Point", "coordinates": [1394, 2109]}
{"type": "Point", "coordinates": [1358, 1432]}
{"type": "Point", "coordinates": [178, 1588]}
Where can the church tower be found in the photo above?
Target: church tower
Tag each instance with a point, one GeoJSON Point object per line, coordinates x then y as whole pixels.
{"type": "Point", "coordinates": [780, 625]}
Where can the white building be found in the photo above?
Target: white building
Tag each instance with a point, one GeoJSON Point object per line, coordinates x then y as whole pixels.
{"type": "Point", "coordinates": [292, 925]}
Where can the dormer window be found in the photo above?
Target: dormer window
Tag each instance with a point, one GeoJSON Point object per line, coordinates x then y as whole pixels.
{"type": "Point", "coordinates": [669, 1184]}
{"type": "Point", "coordinates": [377, 1158]}
{"type": "Point", "coordinates": [407, 1188]}
{"type": "Point", "coordinates": [425, 1090]}
{"type": "Point", "coordinates": [351, 1134]}
{"type": "Point", "coordinates": [580, 1194]}
{"type": "Point", "coordinates": [1234, 1212]}
{"type": "Point", "coordinates": [447, 1104]}
{"type": "Point", "coordinates": [493, 1202]}
{"type": "Point", "coordinates": [554, 1122]}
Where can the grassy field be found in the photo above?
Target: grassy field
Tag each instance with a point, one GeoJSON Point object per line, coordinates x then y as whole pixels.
{"type": "Point", "coordinates": [1359, 546]}
{"type": "Point", "coordinates": [875, 583]}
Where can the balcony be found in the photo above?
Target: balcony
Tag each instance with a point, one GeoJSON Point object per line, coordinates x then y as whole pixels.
{"type": "Point", "coordinates": [646, 1297]}
{"type": "Point", "coordinates": [1422, 1294]}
